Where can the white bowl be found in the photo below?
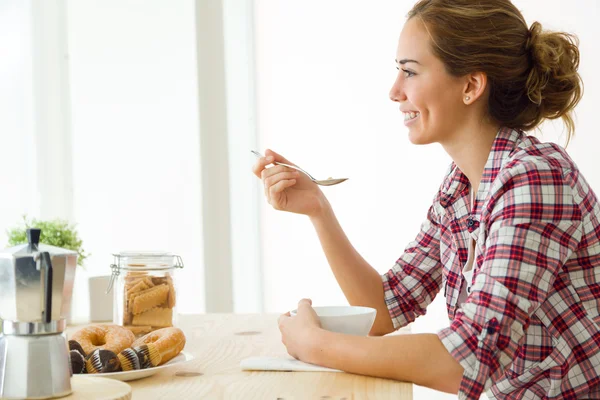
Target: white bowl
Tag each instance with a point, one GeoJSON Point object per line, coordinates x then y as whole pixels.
{"type": "Point", "coordinates": [353, 320]}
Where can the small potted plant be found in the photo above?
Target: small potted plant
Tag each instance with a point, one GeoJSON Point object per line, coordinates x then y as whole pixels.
{"type": "Point", "coordinates": [57, 233]}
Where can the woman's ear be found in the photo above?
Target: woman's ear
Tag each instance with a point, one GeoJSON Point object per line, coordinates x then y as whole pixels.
{"type": "Point", "coordinates": [474, 87]}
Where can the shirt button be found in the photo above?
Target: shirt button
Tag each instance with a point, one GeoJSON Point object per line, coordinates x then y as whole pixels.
{"type": "Point", "coordinates": [470, 222]}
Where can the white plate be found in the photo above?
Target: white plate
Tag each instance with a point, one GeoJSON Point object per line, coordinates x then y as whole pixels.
{"type": "Point", "coordinates": [143, 373]}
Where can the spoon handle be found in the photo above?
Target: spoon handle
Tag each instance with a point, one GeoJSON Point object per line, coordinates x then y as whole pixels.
{"type": "Point", "coordinates": [257, 154]}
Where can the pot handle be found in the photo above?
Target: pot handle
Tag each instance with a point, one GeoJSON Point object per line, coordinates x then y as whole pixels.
{"type": "Point", "coordinates": [47, 268]}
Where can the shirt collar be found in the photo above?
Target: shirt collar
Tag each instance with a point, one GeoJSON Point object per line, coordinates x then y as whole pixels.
{"type": "Point", "coordinates": [457, 184]}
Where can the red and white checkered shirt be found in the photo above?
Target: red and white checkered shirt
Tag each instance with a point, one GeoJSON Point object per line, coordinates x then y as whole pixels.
{"type": "Point", "coordinates": [530, 326]}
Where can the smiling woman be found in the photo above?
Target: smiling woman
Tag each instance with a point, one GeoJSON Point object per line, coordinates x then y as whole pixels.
{"type": "Point", "coordinates": [517, 68]}
{"type": "Point", "coordinates": [513, 233]}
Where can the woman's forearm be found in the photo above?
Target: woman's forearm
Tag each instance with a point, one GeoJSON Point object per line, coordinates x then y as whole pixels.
{"type": "Point", "coordinates": [416, 358]}
{"type": "Point", "coordinates": [360, 282]}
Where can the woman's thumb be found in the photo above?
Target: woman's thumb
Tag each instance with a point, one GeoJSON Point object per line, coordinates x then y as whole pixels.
{"type": "Point", "coordinates": [277, 157]}
{"type": "Point", "coordinates": [304, 303]}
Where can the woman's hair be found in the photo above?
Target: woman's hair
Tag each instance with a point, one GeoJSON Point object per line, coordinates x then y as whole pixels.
{"type": "Point", "coordinates": [532, 73]}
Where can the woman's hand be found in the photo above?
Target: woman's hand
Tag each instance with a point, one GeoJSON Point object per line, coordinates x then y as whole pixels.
{"type": "Point", "coordinates": [298, 332]}
{"type": "Point", "coordinates": [287, 189]}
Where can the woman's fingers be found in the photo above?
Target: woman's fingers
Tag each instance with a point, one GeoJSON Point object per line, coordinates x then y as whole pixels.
{"type": "Point", "coordinates": [282, 318]}
{"type": "Point", "coordinates": [278, 188]}
{"type": "Point", "coordinates": [269, 157]}
{"type": "Point", "coordinates": [278, 157]}
{"type": "Point", "coordinates": [272, 176]}
{"type": "Point", "coordinates": [274, 179]}
{"type": "Point", "coordinates": [277, 169]}
{"type": "Point", "coordinates": [304, 303]}
{"type": "Point", "coordinates": [261, 164]}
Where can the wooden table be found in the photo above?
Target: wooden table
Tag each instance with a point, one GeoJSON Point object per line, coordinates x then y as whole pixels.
{"type": "Point", "coordinates": [220, 341]}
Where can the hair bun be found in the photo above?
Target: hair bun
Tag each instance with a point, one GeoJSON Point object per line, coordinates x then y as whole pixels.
{"type": "Point", "coordinates": [532, 72]}
{"type": "Point", "coordinates": [534, 34]}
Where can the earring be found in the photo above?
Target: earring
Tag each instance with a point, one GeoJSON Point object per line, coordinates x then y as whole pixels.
{"type": "Point", "coordinates": [467, 98]}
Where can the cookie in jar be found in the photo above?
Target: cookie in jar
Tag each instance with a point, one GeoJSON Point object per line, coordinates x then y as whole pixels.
{"type": "Point", "coordinates": [145, 290]}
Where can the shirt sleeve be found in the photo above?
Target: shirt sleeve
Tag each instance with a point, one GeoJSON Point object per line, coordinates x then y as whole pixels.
{"type": "Point", "coordinates": [414, 281]}
{"type": "Point", "coordinates": [534, 228]}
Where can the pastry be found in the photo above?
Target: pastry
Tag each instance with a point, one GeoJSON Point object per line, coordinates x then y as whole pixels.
{"type": "Point", "coordinates": [102, 361]}
{"type": "Point", "coordinates": [103, 336]}
{"type": "Point", "coordinates": [168, 341]}
{"type": "Point", "coordinates": [73, 345]}
{"type": "Point", "coordinates": [150, 298]}
{"type": "Point", "coordinates": [148, 302]}
{"type": "Point", "coordinates": [158, 317]}
{"type": "Point", "coordinates": [129, 359]}
{"type": "Point", "coordinates": [139, 330]}
{"type": "Point", "coordinates": [148, 355]}
{"type": "Point", "coordinates": [77, 362]}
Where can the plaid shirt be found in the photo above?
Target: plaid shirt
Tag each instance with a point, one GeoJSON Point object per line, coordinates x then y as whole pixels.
{"type": "Point", "coordinates": [530, 326]}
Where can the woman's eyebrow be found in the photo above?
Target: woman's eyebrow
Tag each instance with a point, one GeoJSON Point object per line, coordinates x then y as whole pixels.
{"type": "Point", "coordinates": [406, 60]}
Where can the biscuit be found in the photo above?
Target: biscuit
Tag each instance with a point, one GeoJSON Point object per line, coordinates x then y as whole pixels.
{"type": "Point", "coordinates": [126, 313]}
{"type": "Point", "coordinates": [127, 318]}
{"type": "Point", "coordinates": [171, 297]}
{"type": "Point", "coordinates": [135, 274]}
{"type": "Point", "coordinates": [157, 317]}
{"type": "Point", "coordinates": [137, 287]}
{"type": "Point", "coordinates": [149, 281]}
{"type": "Point", "coordinates": [148, 299]}
{"type": "Point", "coordinates": [139, 330]}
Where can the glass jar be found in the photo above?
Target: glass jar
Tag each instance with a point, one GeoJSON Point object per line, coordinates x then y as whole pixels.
{"type": "Point", "coordinates": [145, 290]}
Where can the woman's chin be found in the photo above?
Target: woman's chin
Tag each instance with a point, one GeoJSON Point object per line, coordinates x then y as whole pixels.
{"type": "Point", "coordinates": [415, 137]}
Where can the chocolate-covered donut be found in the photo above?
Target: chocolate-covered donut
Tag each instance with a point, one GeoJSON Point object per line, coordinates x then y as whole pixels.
{"type": "Point", "coordinates": [102, 361]}
{"type": "Point", "coordinates": [130, 360]}
{"type": "Point", "coordinates": [74, 345]}
{"type": "Point", "coordinates": [148, 354]}
{"type": "Point", "coordinates": [77, 362]}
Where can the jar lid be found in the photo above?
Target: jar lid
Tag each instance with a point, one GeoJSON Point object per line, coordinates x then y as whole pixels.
{"type": "Point", "coordinates": [143, 260]}
{"type": "Point", "coordinates": [147, 260]}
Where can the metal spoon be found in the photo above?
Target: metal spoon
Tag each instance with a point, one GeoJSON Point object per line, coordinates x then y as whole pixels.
{"type": "Point", "coordinates": [322, 182]}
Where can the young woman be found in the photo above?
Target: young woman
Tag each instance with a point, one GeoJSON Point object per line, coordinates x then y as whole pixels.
{"type": "Point", "coordinates": [512, 238]}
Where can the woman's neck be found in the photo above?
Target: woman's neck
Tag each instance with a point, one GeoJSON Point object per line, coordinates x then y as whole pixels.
{"type": "Point", "coordinates": [470, 148]}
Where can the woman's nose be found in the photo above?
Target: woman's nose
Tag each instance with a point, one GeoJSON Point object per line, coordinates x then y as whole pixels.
{"type": "Point", "coordinates": [397, 91]}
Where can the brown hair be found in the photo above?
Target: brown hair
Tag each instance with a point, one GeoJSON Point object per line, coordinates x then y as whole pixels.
{"type": "Point", "coordinates": [532, 73]}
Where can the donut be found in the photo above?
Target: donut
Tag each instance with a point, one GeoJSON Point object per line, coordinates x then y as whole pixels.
{"type": "Point", "coordinates": [104, 336]}
{"type": "Point", "coordinates": [77, 362]}
{"type": "Point", "coordinates": [130, 361]}
{"type": "Point", "coordinates": [148, 355]}
{"type": "Point", "coordinates": [73, 345]}
{"type": "Point", "coordinates": [168, 341]}
{"type": "Point", "coordinates": [101, 361]}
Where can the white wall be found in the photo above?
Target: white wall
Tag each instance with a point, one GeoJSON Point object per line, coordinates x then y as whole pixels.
{"type": "Point", "coordinates": [136, 169]}
{"type": "Point", "coordinates": [324, 70]}
{"type": "Point", "coordinates": [18, 168]}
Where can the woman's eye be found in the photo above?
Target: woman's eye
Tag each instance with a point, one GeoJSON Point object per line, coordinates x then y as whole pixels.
{"type": "Point", "coordinates": [408, 73]}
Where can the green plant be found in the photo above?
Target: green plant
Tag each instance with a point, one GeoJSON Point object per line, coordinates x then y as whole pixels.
{"type": "Point", "coordinates": [56, 232]}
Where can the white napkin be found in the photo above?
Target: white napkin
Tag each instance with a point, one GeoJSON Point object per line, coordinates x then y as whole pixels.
{"type": "Point", "coordinates": [281, 364]}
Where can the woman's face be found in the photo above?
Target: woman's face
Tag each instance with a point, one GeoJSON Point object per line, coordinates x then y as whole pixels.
{"type": "Point", "coordinates": [430, 99]}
